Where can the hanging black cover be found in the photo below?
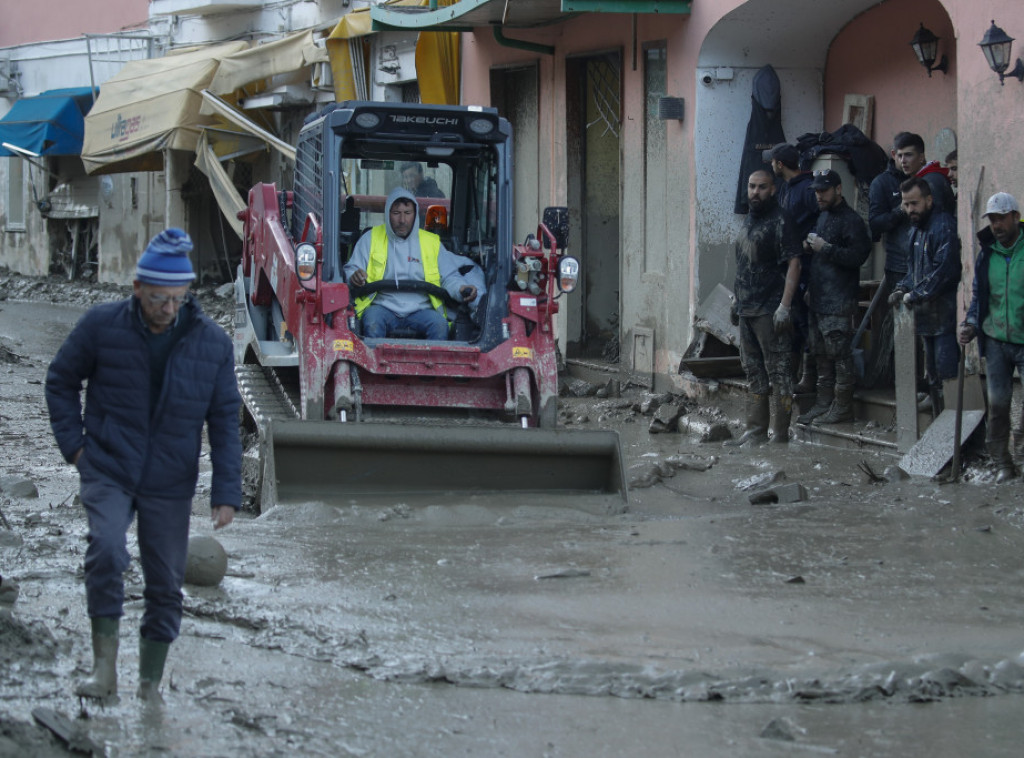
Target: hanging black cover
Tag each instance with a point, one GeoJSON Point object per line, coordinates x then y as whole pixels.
{"type": "Point", "coordinates": [764, 130]}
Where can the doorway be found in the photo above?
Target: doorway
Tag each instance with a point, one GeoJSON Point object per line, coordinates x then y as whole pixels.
{"type": "Point", "coordinates": [593, 124]}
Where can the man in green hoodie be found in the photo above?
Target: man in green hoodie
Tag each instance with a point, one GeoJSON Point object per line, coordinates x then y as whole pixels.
{"type": "Point", "coordinates": [996, 318]}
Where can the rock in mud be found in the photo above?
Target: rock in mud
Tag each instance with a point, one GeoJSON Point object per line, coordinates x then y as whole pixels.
{"type": "Point", "coordinates": [778, 729]}
{"type": "Point", "coordinates": [579, 388]}
{"type": "Point", "coordinates": [666, 418]}
{"type": "Point", "coordinates": [717, 432]}
{"type": "Point", "coordinates": [793, 492]}
{"type": "Point", "coordinates": [207, 562]}
{"type": "Point", "coordinates": [18, 487]}
{"type": "Point", "coordinates": [610, 389]}
{"type": "Point", "coordinates": [644, 474]}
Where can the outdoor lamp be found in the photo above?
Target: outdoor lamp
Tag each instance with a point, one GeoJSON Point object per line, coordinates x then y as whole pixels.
{"type": "Point", "coordinates": [926, 48]}
{"type": "Point", "coordinates": [996, 46]}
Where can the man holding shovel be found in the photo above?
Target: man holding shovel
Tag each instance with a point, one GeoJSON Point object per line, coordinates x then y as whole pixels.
{"type": "Point", "coordinates": [996, 318]}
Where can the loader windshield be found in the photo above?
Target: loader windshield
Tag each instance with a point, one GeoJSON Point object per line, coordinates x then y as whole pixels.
{"type": "Point", "coordinates": [464, 184]}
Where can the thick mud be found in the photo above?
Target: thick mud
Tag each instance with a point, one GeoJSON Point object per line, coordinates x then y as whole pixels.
{"type": "Point", "coordinates": [870, 618]}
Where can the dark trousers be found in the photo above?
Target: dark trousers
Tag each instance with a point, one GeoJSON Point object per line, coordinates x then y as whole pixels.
{"type": "Point", "coordinates": [766, 357]}
{"type": "Point", "coordinates": [1000, 360]}
{"type": "Point", "coordinates": [163, 547]}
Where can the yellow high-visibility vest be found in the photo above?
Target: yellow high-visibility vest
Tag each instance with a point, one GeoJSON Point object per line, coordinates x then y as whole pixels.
{"type": "Point", "coordinates": [430, 249]}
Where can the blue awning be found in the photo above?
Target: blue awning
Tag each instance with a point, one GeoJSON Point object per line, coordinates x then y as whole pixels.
{"type": "Point", "coordinates": [51, 123]}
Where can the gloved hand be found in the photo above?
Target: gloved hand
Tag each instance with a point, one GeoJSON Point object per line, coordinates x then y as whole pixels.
{"type": "Point", "coordinates": [734, 315]}
{"type": "Point", "coordinates": [896, 297]}
{"type": "Point", "coordinates": [967, 333]}
{"type": "Point", "coordinates": [782, 321]}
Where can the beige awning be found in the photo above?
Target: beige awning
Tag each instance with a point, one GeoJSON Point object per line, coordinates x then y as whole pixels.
{"type": "Point", "coordinates": [150, 106]}
{"type": "Point", "coordinates": [223, 188]}
{"type": "Point", "coordinates": [239, 119]}
{"type": "Point", "coordinates": [283, 56]}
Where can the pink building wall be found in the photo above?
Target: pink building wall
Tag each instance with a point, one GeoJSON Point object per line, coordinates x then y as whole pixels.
{"type": "Point", "coordinates": [26, 22]}
{"type": "Point", "coordinates": [872, 56]}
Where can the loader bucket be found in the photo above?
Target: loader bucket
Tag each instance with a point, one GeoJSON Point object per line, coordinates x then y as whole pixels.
{"type": "Point", "coordinates": [323, 460]}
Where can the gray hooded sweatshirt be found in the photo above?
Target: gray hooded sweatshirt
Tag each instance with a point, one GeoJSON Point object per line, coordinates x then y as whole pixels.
{"type": "Point", "coordinates": [405, 264]}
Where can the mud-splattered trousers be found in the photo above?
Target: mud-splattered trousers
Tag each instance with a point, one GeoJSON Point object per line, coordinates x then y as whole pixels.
{"type": "Point", "coordinates": [832, 345]}
{"type": "Point", "coordinates": [162, 531]}
{"type": "Point", "coordinates": [765, 356]}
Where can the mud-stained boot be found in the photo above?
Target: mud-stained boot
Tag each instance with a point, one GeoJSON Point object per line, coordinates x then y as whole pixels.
{"type": "Point", "coordinates": [103, 682]}
{"type": "Point", "coordinates": [1002, 462]}
{"type": "Point", "coordinates": [757, 423]}
{"type": "Point", "coordinates": [152, 657]}
{"type": "Point", "coordinates": [822, 403]}
{"type": "Point", "coordinates": [782, 414]}
{"type": "Point", "coordinates": [841, 409]}
{"type": "Point", "coordinates": [809, 377]}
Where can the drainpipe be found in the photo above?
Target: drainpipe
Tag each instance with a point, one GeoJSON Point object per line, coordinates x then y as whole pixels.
{"type": "Point", "coordinates": [520, 44]}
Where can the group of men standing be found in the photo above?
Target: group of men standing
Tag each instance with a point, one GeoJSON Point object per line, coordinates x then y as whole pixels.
{"type": "Point", "coordinates": [798, 259]}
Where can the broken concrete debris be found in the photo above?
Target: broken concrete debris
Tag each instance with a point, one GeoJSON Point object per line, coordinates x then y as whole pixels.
{"type": "Point", "coordinates": [794, 492]}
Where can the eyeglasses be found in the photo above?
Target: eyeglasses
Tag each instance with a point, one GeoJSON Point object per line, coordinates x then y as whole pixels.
{"type": "Point", "coordinates": [821, 172]}
{"type": "Point", "coordinates": [161, 300]}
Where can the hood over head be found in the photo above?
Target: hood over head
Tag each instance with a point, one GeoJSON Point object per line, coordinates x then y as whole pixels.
{"type": "Point", "coordinates": [395, 194]}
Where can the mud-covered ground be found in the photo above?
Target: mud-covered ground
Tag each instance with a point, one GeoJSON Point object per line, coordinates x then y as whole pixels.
{"type": "Point", "coordinates": [872, 618]}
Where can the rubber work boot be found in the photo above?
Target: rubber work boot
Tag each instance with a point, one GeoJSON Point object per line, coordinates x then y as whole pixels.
{"type": "Point", "coordinates": [152, 656]}
{"type": "Point", "coordinates": [103, 682]}
{"type": "Point", "coordinates": [841, 408]}
{"type": "Point", "coordinates": [782, 414]}
{"type": "Point", "coordinates": [809, 377]}
{"type": "Point", "coordinates": [821, 406]}
{"type": "Point", "coordinates": [757, 422]}
{"type": "Point", "coordinates": [999, 452]}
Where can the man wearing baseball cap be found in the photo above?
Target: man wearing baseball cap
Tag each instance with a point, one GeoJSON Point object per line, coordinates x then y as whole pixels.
{"type": "Point", "coordinates": [838, 246]}
{"type": "Point", "coordinates": [156, 370]}
{"type": "Point", "coordinates": [996, 318]}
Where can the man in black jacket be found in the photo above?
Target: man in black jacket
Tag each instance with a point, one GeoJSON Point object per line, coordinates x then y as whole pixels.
{"type": "Point", "coordinates": [156, 370]}
{"type": "Point", "coordinates": [930, 284]}
{"type": "Point", "coordinates": [839, 245]}
{"type": "Point", "coordinates": [767, 274]}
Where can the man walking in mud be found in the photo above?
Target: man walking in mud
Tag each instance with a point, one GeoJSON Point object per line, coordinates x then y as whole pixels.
{"type": "Point", "coordinates": [996, 318]}
{"type": "Point", "coordinates": [155, 369]}
{"type": "Point", "coordinates": [767, 275]}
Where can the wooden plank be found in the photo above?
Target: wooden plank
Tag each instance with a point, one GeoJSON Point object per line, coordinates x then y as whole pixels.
{"type": "Point", "coordinates": [935, 448]}
{"type": "Point", "coordinates": [71, 734]}
{"type": "Point", "coordinates": [905, 348]}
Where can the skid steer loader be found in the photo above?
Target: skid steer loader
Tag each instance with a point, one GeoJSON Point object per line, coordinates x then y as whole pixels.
{"type": "Point", "coordinates": [339, 413]}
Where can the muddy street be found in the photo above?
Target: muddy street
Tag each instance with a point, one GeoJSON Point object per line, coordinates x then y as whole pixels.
{"type": "Point", "coordinates": [870, 618]}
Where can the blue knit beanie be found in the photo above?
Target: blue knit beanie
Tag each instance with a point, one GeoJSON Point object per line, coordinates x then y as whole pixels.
{"type": "Point", "coordinates": [165, 262]}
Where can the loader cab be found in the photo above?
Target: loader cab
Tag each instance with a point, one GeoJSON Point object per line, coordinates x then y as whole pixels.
{"type": "Point", "coordinates": [353, 154]}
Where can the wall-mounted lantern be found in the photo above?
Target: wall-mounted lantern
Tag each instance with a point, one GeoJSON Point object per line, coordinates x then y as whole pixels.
{"type": "Point", "coordinates": [996, 45]}
{"type": "Point", "coordinates": [926, 48]}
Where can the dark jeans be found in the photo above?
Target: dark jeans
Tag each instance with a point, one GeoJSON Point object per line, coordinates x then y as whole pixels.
{"type": "Point", "coordinates": [429, 324]}
{"type": "Point", "coordinates": [1000, 360]}
{"type": "Point", "coordinates": [941, 358]}
{"type": "Point", "coordinates": [163, 549]}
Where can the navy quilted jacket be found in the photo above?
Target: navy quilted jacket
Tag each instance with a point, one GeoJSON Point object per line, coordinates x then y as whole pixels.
{"type": "Point", "coordinates": [160, 456]}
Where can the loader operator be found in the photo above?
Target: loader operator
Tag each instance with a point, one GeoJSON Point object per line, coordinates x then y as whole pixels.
{"type": "Point", "coordinates": [392, 252]}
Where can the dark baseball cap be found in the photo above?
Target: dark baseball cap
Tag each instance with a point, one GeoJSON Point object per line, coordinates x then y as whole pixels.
{"type": "Point", "coordinates": [783, 152]}
{"type": "Point", "coordinates": [824, 179]}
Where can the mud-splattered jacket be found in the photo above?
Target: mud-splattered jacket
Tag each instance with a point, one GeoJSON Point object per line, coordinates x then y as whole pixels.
{"type": "Point", "coordinates": [835, 270]}
{"type": "Point", "coordinates": [934, 274]}
{"type": "Point", "coordinates": [980, 298]}
{"type": "Point", "coordinates": [764, 247]}
{"type": "Point", "coordinates": [148, 454]}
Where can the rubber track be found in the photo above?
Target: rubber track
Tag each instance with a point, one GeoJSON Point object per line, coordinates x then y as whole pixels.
{"type": "Point", "coordinates": [264, 395]}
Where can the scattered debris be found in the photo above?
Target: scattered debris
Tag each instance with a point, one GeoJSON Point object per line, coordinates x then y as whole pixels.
{"type": "Point", "coordinates": [778, 729]}
{"type": "Point", "coordinates": [796, 580]}
{"type": "Point", "coordinates": [793, 492]}
{"type": "Point", "coordinates": [566, 573]}
{"type": "Point", "coordinates": [869, 473]}
{"type": "Point", "coordinates": [761, 480]}
{"type": "Point", "coordinates": [610, 389]}
{"type": "Point", "coordinates": [75, 736]}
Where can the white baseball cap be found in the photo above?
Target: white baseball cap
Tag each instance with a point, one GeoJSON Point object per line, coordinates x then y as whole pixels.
{"type": "Point", "coordinates": [1001, 203]}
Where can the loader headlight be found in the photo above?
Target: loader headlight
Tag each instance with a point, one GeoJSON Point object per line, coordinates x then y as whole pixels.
{"type": "Point", "coordinates": [305, 261]}
{"type": "Point", "coordinates": [568, 273]}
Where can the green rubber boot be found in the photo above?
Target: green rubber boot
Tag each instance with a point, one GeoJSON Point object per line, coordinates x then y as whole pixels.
{"type": "Point", "coordinates": [103, 682]}
{"type": "Point", "coordinates": [152, 656]}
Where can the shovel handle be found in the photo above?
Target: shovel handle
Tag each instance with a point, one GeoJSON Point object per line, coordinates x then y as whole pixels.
{"type": "Point", "coordinates": [958, 423]}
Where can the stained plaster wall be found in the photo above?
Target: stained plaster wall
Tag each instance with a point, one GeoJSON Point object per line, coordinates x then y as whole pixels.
{"type": "Point", "coordinates": [653, 283]}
